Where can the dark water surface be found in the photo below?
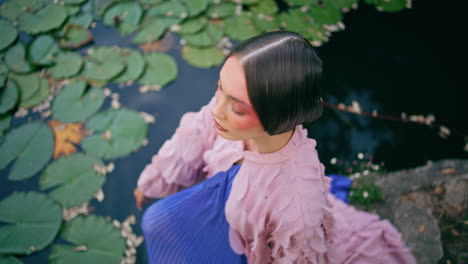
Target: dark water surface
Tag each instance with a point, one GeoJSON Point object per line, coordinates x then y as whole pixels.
{"type": "Point", "coordinates": [412, 62]}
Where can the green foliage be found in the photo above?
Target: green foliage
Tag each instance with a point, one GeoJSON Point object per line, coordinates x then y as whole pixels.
{"type": "Point", "coordinates": [30, 146]}
{"type": "Point", "coordinates": [103, 63]}
{"type": "Point", "coordinates": [365, 193]}
{"type": "Point", "coordinates": [9, 260]}
{"type": "Point", "coordinates": [50, 17]}
{"type": "Point", "coordinates": [67, 64]}
{"type": "Point", "coordinates": [207, 37]}
{"type": "Point", "coordinates": [168, 13]}
{"type": "Point", "coordinates": [135, 65]}
{"type": "Point", "coordinates": [8, 97]}
{"type": "Point", "coordinates": [125, 16]}
{"type": "Point", "coordinates": [161, 69]}
{"type": "Point", "coordinates": [193, 25]}
{"type": "Point", "coordinates": [74, 177]}
{"type": "Point", "coordinates": [25, 231]}
{"type": "Point", "coordinates": [150, 31]}
{"type": "Point", "coordinates": [196, 7]}
{"type": "Point", "coordinates": [241, 27]}
{"type": "Point", "coordinates": [38, 96]}
{"type": "Point", "coordinates": [15, 59]}
{"type": "Point", "coordinates": [75, 36]}
{"type": "Point", "coordinates": [203, 57]}
{"type": "Point", "coordinates": [8, 34]}
{"type": "Point", "coordinates": [27, 84]}
{"type": "Point", "coordinates": [42, 50]}
{"type": "Point", "coordinates": [120, 131]}
{"type": "Point", "coordinates": [5, 120]}
{"type": "Point", "coordinates": [12, 9]}
{"type": "Point", "coordinates": [76, 103]}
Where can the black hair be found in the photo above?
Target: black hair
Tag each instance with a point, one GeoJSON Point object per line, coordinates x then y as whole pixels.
{"type": "Point", "coordinates": [282, 72]}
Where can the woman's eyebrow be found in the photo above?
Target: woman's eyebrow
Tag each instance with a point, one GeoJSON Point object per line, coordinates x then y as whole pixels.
{"type": "Point", "coordinates": [233, 98]}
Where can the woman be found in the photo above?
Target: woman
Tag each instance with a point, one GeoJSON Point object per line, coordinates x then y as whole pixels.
{"type": "Point", "coordinates": [265, 198]}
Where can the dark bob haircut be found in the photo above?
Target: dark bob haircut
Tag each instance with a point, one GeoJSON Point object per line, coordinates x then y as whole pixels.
{"type": "Point", "coordinates": [282, 72]}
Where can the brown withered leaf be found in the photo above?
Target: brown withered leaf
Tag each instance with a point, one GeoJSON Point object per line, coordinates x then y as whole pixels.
{"type": "Point", "coordinates": [422, 228]}
{"type": "Point", "coordinates": [163, 45]}
{"type": "Point", "coordinates": [65, 135]}
{"type": "Point", "coordinates": [448, 171]}
{"type": "Point", "coordinates": [438, 190]}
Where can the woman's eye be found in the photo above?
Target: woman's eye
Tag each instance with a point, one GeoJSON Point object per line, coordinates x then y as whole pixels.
{"type": "Point", "coordinates": [236, 112]}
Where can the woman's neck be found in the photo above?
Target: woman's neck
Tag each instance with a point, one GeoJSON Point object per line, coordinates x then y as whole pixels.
{"type": "Point", "coordinates": [267, 143]}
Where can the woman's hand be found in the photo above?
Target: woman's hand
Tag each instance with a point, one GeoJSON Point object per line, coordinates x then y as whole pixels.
{"type": "Point", "coordinates": [140, 198]}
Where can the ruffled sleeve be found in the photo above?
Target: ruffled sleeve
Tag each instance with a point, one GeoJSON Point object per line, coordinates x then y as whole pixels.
{"type": "Point", "coordinates": [179, 161]}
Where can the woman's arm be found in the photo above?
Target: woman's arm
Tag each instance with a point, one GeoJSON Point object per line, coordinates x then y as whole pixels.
{"type": "Point", "coordinates": [179, 161]}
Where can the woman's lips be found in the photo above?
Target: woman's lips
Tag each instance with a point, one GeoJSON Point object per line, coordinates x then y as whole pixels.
{"type": "Point", "coordinates": [218, 126]}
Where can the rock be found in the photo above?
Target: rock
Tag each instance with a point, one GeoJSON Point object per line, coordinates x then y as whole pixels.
{"type": "Point", "coordinates": [456, 197]}
{"type": "Point", "coordinates": [420, 230]}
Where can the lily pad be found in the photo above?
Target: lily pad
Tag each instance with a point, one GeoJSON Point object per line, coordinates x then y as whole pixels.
{"type": "Point", "coordinates": [27, 232]}
{"type": "Point", "coordinates": [38, 96]}
{"type": "Point", "coordinates": [72, 9]}
{"type": "Point", "coordinates": [135, 65]}
{"type": "Point", "coordinates": [67, 64]}
{"type": "Point", "coordinates": [75, 36]}
{"type": "Point", "coordinates": [196, 7]}
{"type": "Point", "coordinates": [103, 63]}
{"type": "Point", "coordinates": [43, 50]}
{"type": "Point", "coordinates": [8, 34]}
{"type": "Point", "coordinates": [75, 178]}
{"type": "Point", "coordinates": [151, 31]}
{"type": "Point", "coordinates": [161, 69]}
{"type": "Point", "coordinates": [304, 24]}
{"type": "Point", "coordinates": [5, 120]}
{"type": "Point", "coordinates": [85, 20]}
{"type": "Point", "coordinates": [240, 27]}
{"type": "Point", "coordinates": [30, 146]}
{"type": "Point", "coordinates": [15, 59]}
{"type": "Point", "coordinates": [388, 6]}
{"type": "Point", "coordinates": [203, 57]}
{"type": "Point", "coordinates": [121, 131]}
{"type": "Point", "coordinates": [221, 10]}
{"type": "Point", "coordinates": [123, 15]}
{"type": "Point", "coordinates": [208, 37]}
{"type": "Point", "coordinates": [341, 4]}
{"type": "Point", "coordinates": [47, 18]}
{"type": "Point", "coordinates": [100, 240]}
{"type": "Point", "coordinates": [325, 14]}
{"type": "Point", "coordinates": [75, 103]}
{"type": "Point", "coordinates": [8, 97]}
{"type": "Point", "coordinates": [9, 260]}
{"type": "Point", "coordinates": [193, 25]}
{"type": "Point", "coordinates": [168, 13]}
{"type": "Point", "coordinates": [28, 85]}
{"type": "Point", "coordinates": [267, 7]}
{"type": "Point", "coordinates": [12, 9]}
{"type": "Point", "coordinates": [74, 1]}
{"type": "Point", "coordinates": [266, 22]}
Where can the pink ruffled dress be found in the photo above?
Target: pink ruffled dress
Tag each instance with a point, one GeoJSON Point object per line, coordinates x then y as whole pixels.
{"type": "Point", "coordinates": [279, 209]}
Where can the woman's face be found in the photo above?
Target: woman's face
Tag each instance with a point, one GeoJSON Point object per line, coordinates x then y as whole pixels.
{"type": "Point", "coordinates": [233, 110]}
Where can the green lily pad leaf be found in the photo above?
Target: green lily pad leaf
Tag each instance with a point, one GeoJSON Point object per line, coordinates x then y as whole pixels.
{"type": "Point", "coordinates": [31, 145]}
{"type": "Point", "coordinates": [249, 2]}
{"type": "Point", "coordinates": [196, 7]}
{"type": "Point", "coordinates": [85, 20]}
{"type": "Point", "coordinates": [203, 57]}
{"type": "Point", "coordinates": [103, 63]}
{"type": "Point", "coordinates": [221, 10]}
{"type": "Point", "coordinates": [9, 260]}
{"type": "Point", "coordinates": [27, 232]}
{"type": "Point", "coordinates": [42, 50]}
{"type": "Point", "coordinates": [193, 25]}
{"type": "Point", "coordinates": [8, 34]}
{"type": "Point", "coordinates": [298, 21]}
{"type": "Point", "coordinates": [47, 18]}
{"type": "Point", "coordinates": [28, 84]}
{"type": "Point", "coordinates": [8, 97]}
{"type": "Point", "coordinates": [267, 7]}
{"type": "Point", "coordinates": [12, 9]}
{"type": "Point", "coordinates": [102, 240]}
{"type": "Point", "coordinates": [298, 2]}
{"type": "Point", "coordinates": [151, 31]}
{"type": "Point", "coordinates": [240, 27]}
{"type": "Point", "coordinates": [342, 4]}
{"type": "Point", "coordinates": [161, 69]}
{"type": "Point", "coordinates": [75, 36]}
{"type": "Point", "coordinates": [15, 59]}
{"type": "Point", "coordinates": [74, 2]}
{"type": "Point", "coordinates": [5, 120]}
{"type": "Point", "coordinates": [325, 14]}
{"type": "Point", "coordinates": [135, 65]}
{"type": "Point", "coordinates": [72, 9]}
{"type": "Point", "coordinates": [266, 22]}
{"type": "Point", "coordinates": [121, 131]}
{"type": "Point", "coordinates": [388, 6]}
{"type": "Point", "coordinates": [39, 96]}
{"type": "Point", "coordinates": [205, 38]}
{"type": "Point", "coordinates": [169, 13]}
{"type": "Point", "coordinates": [75, 103]}
{"type": "Point", "coordinates": [75, 179]}
{"type": "Point", "coordinates": [2, 80]}
{"type": "Point", "coordinates": [124, 15]}
{"type": "Point", "coordinates": [67, 64]}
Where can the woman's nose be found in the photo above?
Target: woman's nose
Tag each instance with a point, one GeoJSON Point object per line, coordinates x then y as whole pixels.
{"type": "Point", "coordinates": [218, 109]}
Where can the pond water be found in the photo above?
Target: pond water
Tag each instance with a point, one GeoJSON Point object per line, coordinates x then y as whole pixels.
{"type": "Point", "coordinates": [394, 63]}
